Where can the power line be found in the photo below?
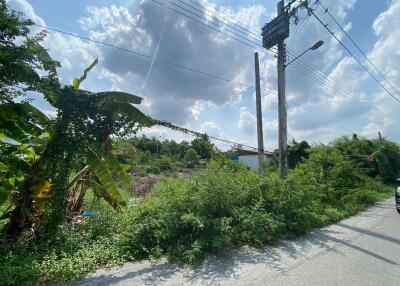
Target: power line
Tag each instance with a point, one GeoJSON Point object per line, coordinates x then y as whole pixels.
{"type": "Point", "coordinates": [329, 85]}
{"type": "Point", "coordinates": [147, 56]}
{"type": "Point", "coordinates": [332, 90]}
{"type": "Point", "coordinates": [159, 60]}
{"type": "Point", "coordinates": [358, 47]}
{"type": "Point", "coordinates": [358, 61]}
{"type": "Point", "coordinates": [196, 133]}
{"type": "Point", "coordinates": [211, 27]}
{"type": "Point", "coordinates": [300, 29]}
{"type": "Point", "coordinates": [243, 26]}
{"type": "Point", "coordinates": [240, 30]}
{"type": "Point", "coordinates": [320, 116]}
{"type": "Point", "coordinates": [262, 49]}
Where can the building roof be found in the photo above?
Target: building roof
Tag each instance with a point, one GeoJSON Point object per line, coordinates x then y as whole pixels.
{"type": "Point", "coordinates": [242, 152]}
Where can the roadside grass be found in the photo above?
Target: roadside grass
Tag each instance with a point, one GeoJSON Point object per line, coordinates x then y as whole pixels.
{"type": "Point", "coordinates": [223, 207]}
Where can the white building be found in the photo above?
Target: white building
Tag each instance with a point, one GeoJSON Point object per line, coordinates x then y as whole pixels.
{"type": "Point", "coordinates": [250, 158]}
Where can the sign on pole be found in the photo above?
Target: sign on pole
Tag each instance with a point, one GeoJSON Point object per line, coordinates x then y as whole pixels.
{"type": "Point", "coordinates": [275, 31]}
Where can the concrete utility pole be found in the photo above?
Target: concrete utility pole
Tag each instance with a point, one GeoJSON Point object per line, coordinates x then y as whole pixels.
{"type": "Point", "coordinates": [282, 113]}
{"type": "Point", "coordinates": [259, 114]}
{"type": "Point", "coordinates": [274, 33]}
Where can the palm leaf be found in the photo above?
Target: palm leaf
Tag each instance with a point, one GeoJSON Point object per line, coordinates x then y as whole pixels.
{"type": "Point", "coordinates": [131, 112]}
{"type": "Point", "coordinates": [117, 96]}
{"type": "Point", "coordinates": [77, 81]}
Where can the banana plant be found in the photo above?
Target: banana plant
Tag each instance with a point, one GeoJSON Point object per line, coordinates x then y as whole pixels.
{"type": "Point", "coordinates": [80, 133]}
{"type": "Point", "coordinates": [24, 132]}
{"type": "Point", "coordinates": [103, 174]}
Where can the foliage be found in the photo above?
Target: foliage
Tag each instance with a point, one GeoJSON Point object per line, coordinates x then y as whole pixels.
{"type": "Point", "coordinates": [85, 122]}
{"type": "Point", "coordinates": [144, 154]}
{"type": "Point", "coordinates": [203, 147]}
{"type": "Point", "coordinates": [377, 158]}
{"type": "Point", "coordinates": [225, 206]}
{"type": "Point", "coordinates": [23, 61]}
{"type": "Point", "coordinates": [191, 157]}
{"type": "Point", "coordinates": [297, 152]}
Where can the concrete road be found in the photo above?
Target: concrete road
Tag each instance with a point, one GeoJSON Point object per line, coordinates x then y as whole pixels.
{"type": "Point", "coordinates": [363, 250]}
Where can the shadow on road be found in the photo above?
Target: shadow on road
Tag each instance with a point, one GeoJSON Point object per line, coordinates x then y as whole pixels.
{"type": "Point", "coordinates": [371, 233]}
{"type": "Point", "coordinates": [216, 269]}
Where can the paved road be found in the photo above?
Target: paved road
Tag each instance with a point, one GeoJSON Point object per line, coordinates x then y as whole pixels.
{"type": "Point", "coordinates": [363, 250]}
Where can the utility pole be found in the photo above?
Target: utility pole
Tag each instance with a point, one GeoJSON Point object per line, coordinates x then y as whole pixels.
{"type": "Point", "coordinates": [282, 113]}
{"type": "Point", "coordinates": [274, 33]}
{"type": "Point", "coordinates": [259, 114]}
{"type": "Point", "coordinates": [380, 137]}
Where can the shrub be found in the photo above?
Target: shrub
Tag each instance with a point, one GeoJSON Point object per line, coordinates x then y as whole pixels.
{"type": "Point", "coordinates": [153, 170]}
{"type": "Point", "coordinates": [224, 206]}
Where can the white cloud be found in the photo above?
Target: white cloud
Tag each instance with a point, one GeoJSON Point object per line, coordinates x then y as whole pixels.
{"type": "Point", "coordinates": [27, 9]}
{"type": "Point", "coordinates": [247, 121]}
{"type": "Point", "coordinates": [185, 98]}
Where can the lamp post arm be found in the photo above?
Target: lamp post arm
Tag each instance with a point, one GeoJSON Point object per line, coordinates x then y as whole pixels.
{"type": "Point", "coordinates": [293, 60]}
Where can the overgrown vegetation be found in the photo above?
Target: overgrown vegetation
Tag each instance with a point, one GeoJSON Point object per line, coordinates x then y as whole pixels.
{"type": "Point", "coordinates": [142, 155]}
{"type": "Point", "coordinates": [51, 170]}
{"type": "Point", "coordinates": [224, 206]}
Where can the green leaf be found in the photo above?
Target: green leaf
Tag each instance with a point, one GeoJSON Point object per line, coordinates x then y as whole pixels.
{"type": "Point", "coordinates": [132, 113]}
{"type": "Point", "coordinates": [3, 195]}
{"type": "Point", "coordinates": [35, 113]}
{"type": "Point", "coordinates": [11, 181]}
{"type": "Point", "coordinates": [117, 96]}
{"type": "Point", "coordinates": [77, 81]}
{"type": "Point", "coordinates": [104, 176]}
{"type": "Point", "coordinates": [8, 140]}
{"type": "Point", "coordinates": [117, 169]}
{"type": "Point", "coordinates": [14, 131]}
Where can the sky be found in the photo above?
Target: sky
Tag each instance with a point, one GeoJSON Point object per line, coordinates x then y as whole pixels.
{"type": "Point", "coordinates": [350, 101]}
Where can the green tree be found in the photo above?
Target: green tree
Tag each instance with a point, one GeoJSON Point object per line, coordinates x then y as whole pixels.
{"type": "Point", "coordinates": [388, 160]}
{"type": "Point", "coordinates": [297, 152]}
{"type": "Point", "coordinates": [203, 147]}
{"type": "Point", "coordinates": [191, 157]}
{"type": "Point", "coordinates": [80, 135]}
{"type": "Point", "coordinates": [22, 59]}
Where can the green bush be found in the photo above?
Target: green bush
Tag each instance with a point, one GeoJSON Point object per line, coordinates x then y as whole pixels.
{"type": "Point", "coordinates": [153, 170]}
{"type": "Point", "coordinates": [224, 206]}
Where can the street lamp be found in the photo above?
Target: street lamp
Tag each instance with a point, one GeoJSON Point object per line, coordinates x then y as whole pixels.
{"type": "Point", "coordinates": [312, 48]}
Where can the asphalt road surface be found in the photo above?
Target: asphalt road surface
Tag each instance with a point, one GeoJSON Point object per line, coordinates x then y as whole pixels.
{"type": "Point", "coordinates": [363, 250]}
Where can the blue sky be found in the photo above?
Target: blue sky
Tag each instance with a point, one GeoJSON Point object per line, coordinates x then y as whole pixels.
{"type": "Point", "coordinates": [216, 107]}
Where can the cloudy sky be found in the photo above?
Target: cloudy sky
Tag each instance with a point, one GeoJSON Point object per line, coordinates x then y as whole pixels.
{"type": "Point", "coordinates": [350, 101]}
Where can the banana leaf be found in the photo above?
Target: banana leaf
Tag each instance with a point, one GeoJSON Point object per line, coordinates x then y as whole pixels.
{"type": "Point", "coordinates": [77, 81]}
{"type": "Point", "coordinates": [117, 96]}
{"type": "Point", "coordinates": [132, 113]}
{"type": "Point", "coordinates": [104, 175]}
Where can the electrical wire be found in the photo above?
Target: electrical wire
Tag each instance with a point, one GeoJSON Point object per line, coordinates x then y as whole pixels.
{"type": "Point", "coordinates": [147, 56]}
{"type": "Point", "coordinates": [358, 47]}
{"type": "Point", "coordinates": [163, 61]}
{"type": "Point", "coordinates": [241, 38]}
{"type": "Point", "coordinates": [240, 29]}
{"type": "Point", "coordinates": [262, 50]}
{"type": "Point", "coordinates": [330, 86]}
{"type": "Point", "coordinates": [357, 60]}
{"type": "Point", "coordinates": [242, 25]}
{"type": "Point", "coordinates": [300, 29]}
